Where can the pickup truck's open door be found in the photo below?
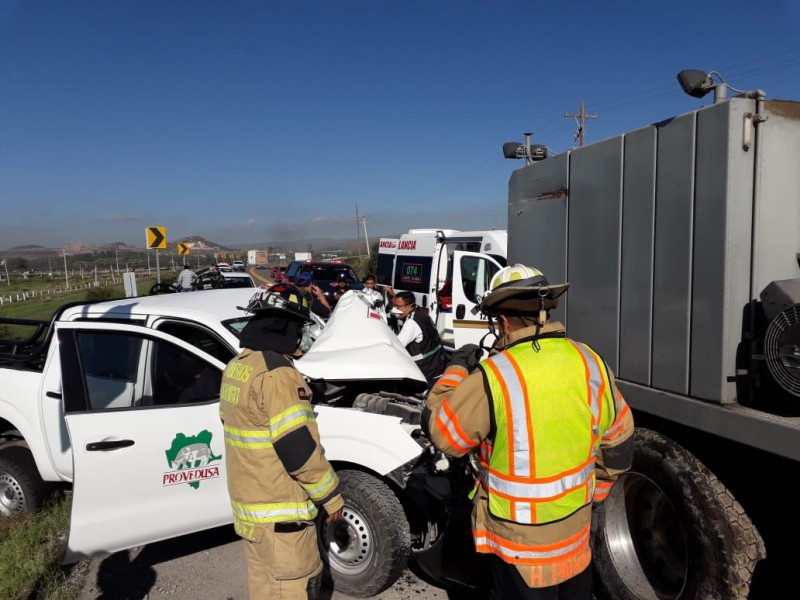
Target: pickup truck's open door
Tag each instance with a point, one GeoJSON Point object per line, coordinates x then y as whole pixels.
{"type": "Point", "coordinates": [472, 273]}
{"type": "Point", "coordinates": [143, 417]}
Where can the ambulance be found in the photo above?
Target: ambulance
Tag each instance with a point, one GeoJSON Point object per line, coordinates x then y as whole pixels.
{"type": "Point", "coordinates": [448, 271]}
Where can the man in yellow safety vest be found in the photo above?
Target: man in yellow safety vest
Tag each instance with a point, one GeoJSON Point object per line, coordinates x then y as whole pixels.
{"type": "Point", "coordinates": [553, 433]}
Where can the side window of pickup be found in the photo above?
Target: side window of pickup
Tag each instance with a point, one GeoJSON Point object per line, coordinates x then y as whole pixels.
{"type": "Point", "coordinates": [124, 371]}
{"type": "Point", "coordinates": [199, 338]}
{"type": "Point", "coordinates": [179, 377]}
{"type": "Point", "coordinates": [110, 364]}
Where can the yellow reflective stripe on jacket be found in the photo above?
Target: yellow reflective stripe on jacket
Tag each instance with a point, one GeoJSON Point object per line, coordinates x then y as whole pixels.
{"type": "Point", "coordinates": [274, 512]}
{"type": "Point", "coordinates": [295, 415]}
{"type": "Point", "coordinates": [557, 397]}
{"type": "Point", "coordinates": [253, 439]}
{"type": "Point", "coordinates": [318, 491]}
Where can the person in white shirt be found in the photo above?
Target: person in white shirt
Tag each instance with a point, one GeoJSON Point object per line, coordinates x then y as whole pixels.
{"type": "Point", "coordinates": [371, 292]}
{"type": "Point", "coordinates": [419, 335]}
{"type": "Point", "coordinates": [186, 279]}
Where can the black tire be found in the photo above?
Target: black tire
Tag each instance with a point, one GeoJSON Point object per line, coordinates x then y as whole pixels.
{"type": "Point", "coordinates": [671, 530]}
{"type": "Point", "coordinates": [22, 490]}
{"type": "Point", "coordinates": [366, 550]}
{"type": "Point", "coordinates": [162, 288]}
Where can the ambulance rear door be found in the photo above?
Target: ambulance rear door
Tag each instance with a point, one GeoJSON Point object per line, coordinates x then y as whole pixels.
{"type": "Point", "coordinates": [472, 273]}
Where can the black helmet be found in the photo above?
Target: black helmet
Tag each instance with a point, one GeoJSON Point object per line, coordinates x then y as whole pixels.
{"type": "Point", "coordinates": [342, 277]}
{"type": "Point", "coordinates": [281, 297]}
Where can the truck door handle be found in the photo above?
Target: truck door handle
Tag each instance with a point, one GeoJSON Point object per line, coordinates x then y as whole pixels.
{"type": "Point", "coordinates": [460, 311]}
{"type": "Point", "coordinates": [113, 445]}
{"type": "Point", "coordinates": [56, 395]}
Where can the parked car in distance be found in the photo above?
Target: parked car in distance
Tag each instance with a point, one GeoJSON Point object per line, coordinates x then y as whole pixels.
{"type": "Point", "coordinates": [238, 265]}
{"type": "Point", "coordinates": [277, 273]}
{"type": "Point", "coordinates": [325, 274]}
{"type": "Point", "coordinates": [237, 280]}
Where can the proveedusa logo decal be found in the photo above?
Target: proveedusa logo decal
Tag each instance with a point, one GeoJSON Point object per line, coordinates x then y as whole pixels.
{"type": "Point", "coordinates": [190, 458]}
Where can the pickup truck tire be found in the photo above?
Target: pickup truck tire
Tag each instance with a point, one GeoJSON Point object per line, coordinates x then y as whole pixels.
{"type": "Point", "coordinates": [671, 530]}
{"type": "Point", "coordinates": [22, 490]}
{"type": "Point", "coordinates": [366, 550]}
{"type": "Point", "coordinates": [162, 288]}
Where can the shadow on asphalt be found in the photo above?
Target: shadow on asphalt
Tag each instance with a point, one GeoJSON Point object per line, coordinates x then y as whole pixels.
{"type": "Point", "coordinates": [130, 574]}
{"type": "Point", "coordinates": [120, 577]}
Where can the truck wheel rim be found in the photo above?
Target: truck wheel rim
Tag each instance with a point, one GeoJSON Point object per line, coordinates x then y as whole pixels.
{"type": "Point", "coordinates": [350, 542]}
{"type": "Point", "coordinates": [12, 500]}
{"type": "Point", "coordinates": [646, 539]}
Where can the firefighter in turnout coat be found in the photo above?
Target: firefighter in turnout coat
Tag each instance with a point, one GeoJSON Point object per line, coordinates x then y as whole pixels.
{"type": "Point", "coordinates": [552, 431]}
{"type": "Point", "coordinates": [278, 476]}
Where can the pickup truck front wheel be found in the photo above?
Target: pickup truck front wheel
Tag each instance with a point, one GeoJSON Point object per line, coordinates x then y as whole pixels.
{"type": "Point", "coordinates": [21, 488]}
{"type": "Point", "coordinates": [366, 550]}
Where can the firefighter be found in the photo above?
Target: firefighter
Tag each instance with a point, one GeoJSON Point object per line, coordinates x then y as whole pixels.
{"type": "Point", "coordinates": [553, 433]}
{"type": "Point", "coordinates": [278, 476]}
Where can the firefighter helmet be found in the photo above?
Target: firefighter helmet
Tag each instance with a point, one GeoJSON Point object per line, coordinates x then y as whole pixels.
{"type": "Point", "coordinates": [281, 297]}
{"type": "Point", "coordinates": [520, 289]}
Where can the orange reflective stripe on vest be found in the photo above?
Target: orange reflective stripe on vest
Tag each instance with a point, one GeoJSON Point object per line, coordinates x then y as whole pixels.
{"type": "Point", "coordinates": [516, 553]}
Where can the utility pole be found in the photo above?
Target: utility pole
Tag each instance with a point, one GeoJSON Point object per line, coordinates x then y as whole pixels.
{"type": "Point", "coordinates": [358, 231]}
{"type": "Point", "coordinates": [366, 237]}
{"type": "Point", "coordinates": [581, 118]}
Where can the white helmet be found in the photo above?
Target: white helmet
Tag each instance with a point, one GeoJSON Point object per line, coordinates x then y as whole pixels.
{"type": "Point", "coordinates": [520, 289]}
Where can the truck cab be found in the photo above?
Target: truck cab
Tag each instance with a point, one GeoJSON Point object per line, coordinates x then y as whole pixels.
{"type": "Point", "coordinates": [448, 271]}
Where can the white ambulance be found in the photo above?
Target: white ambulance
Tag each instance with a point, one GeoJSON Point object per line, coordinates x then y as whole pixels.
{"type": "Point", "coordinates": [448, 271]}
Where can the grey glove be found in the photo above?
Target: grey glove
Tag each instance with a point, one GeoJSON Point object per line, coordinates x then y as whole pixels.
{"type": "Point", "coordinates": [468, 356]}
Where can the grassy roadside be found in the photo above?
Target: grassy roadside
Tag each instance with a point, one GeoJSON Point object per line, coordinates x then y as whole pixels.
{"type": "Point", "coordinates": [31, 550]}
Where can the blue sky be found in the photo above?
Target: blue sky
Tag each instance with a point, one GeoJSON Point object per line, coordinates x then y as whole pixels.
{"type": "Point", "coordinates": [256, 122]}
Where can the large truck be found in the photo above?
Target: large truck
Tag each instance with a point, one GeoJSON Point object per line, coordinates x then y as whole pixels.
{"type": "Point", "coordinates": [258, 259]}
{"type": "Point", "coordinates": [447, 271]}
{"type": "Point", "coordinates": [680, 241]}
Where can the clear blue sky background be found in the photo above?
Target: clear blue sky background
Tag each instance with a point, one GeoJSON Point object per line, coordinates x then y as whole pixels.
{"type": "Point", "coordinates": [252, 122]}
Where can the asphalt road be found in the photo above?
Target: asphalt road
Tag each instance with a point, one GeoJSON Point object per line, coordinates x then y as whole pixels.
{"type": "Point", "coordinates": [203, 566]}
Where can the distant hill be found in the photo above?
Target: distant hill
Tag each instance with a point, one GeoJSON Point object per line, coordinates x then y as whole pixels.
{"type": "Point", "coordinates": [317, 245]}
{"type": "Point", "coordinates": [198, 246]}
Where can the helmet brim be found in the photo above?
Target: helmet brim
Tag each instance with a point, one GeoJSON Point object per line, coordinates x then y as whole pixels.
{"type": "Point", "coordinates": [520, 299]}
{"type": "Point", "coordinates": [288, 313]}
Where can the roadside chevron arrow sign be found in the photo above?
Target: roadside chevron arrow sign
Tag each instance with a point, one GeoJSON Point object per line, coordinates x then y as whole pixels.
{"type": "Point", "coordinates": [156, 238]}
{"type": "Point", "coordinates": [183, 248]}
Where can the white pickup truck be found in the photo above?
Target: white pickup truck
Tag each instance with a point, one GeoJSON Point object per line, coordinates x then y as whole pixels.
{"type": "Point", "coordinates": [118, 400]}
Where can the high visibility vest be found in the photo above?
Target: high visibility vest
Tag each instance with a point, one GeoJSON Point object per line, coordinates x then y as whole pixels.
{"type": "Point", "coordinates": [550, 409]}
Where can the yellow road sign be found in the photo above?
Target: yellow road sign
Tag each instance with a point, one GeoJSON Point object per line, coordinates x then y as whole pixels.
{"type": "Point", "coordinates": [156, 238]}
{"type": "Point", "coordinates": [183, 248]}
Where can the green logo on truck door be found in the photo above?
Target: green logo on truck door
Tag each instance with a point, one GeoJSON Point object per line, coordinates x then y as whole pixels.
{"type": "Point", "coordinates": [190, 459]}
